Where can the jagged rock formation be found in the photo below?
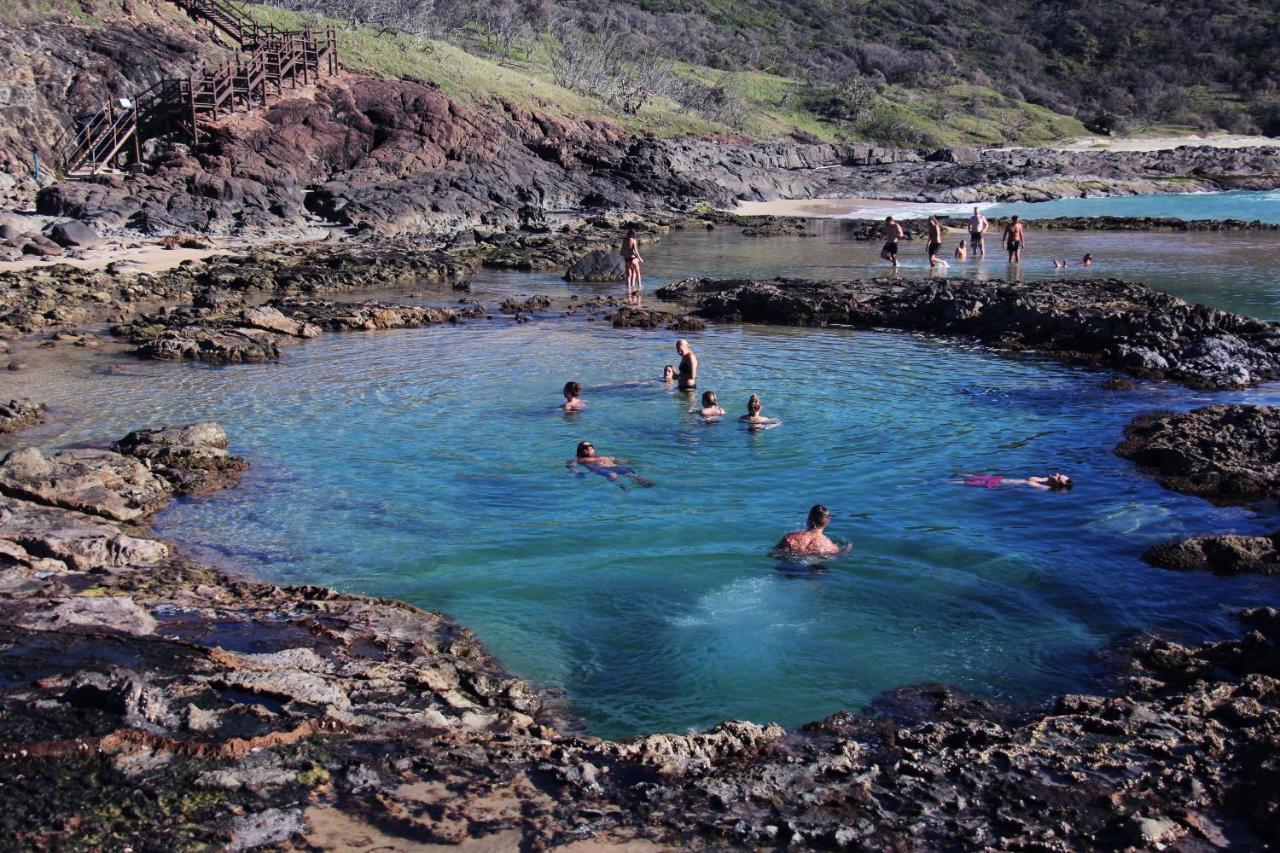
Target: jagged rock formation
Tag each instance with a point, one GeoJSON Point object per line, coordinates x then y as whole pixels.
{"type": "Point", "coordinates": [172, 702]}
{"type": "Point", "coordinates": [1228, 453]}
{"type": "Point", "coordinates": [1108, 322]}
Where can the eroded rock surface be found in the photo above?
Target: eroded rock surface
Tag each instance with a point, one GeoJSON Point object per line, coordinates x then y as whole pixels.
{"type": "Point", "coordinates": [1109, 322]}
{"type": "Point", "coordinates": [19, 414]}
{"type": "Point", "coordinates": [1226, 554]}
{"type": "Point", "coordinates": [1226, 452]}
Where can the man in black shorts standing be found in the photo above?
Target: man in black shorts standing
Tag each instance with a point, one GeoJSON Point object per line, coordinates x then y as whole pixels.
{"type": "Point", "coordinates": [978, 226]}
{"type": "Point", "coordinates": [892, 233]}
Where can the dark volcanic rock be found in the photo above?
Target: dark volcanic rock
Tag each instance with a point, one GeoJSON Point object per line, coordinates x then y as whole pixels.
{"type": "Point", "coordinates": [1227, 453]}
{"type": "Point", "coordinates": [1223, 555]}
{"type": "Point", "coordinates": [777, 226]}
{"type": "Point", "coordinates": [20, 414]}
{"type": "Point", "coordinates": [1109, 322]}
{"type": "Point", "coordinates": [600, 265]}
{"type": "Point", "coordinates": [74, 234]}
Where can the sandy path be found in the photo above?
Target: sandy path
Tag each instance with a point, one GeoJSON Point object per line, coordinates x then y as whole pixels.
{"type": "Point", "coordinates": [150, 258]}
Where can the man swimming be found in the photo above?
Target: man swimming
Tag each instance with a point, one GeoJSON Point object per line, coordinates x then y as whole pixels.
{"type": "Point", "coordinates": [892, 233]}
{"type": "Point", "coordinates": [978, 225]}
{"type": "Point", "coordinates": [572, 397]}
{"type": "Point", "coordinates": [710, 408]}
{"type": "Point", "coordinates": [961, 251]}
{"type": "Point", "coordinates": [1014, 239]}
{"type": "Point", "coordinates": [813, 539]}
{"type": "Point", "coordinates": [688, 373]}
{"type": "Point", "coordinates": [753, 419]}
{"type": "Point", "coordinates": [1055, 482]}
{"type": "Point", "coordinates": [608, 467]}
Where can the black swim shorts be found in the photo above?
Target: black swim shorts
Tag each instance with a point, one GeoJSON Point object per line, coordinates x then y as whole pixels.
{"type": "Point", "coordinates": [975, 236]}
{"type": "Point", "coordinates": [933, 248]}
{"type": "Point", "coordinates": [1013, 245]}
{"type": "Point", "coordinates": [890, 248]}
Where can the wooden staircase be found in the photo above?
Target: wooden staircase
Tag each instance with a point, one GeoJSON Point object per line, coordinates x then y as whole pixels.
{"type": "Point", "coordinates": [265, 62]}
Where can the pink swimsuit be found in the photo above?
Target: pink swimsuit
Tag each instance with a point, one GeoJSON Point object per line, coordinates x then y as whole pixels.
{"type": "Point", "coordinates": [984, 481]}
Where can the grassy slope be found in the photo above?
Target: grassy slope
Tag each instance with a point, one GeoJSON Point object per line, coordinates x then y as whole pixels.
{"type": "Point", "coordinates": [946, 114]}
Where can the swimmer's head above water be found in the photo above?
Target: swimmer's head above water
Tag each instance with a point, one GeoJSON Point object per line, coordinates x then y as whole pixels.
{"type": "Point", "coordinates": [819, 517]}
{"type": "Point", "coordinates": [753, 405]}
{"type": "Point", "coordinates": [572, 390]}
{"type": "Point", "coordinates": [669, 373]}
{"type": "Point", "coordinates": [1058, 482]}
{"type": "Point", "coordinates": [586, 450]}
{"type": "Point", "coordinates": [708, 399]}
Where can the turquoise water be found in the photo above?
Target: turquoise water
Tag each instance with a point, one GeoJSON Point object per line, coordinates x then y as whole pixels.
{"type": "Point", "coordinates": [1238, 204]}
{"type": "Point", "coordinates": [429, 465]}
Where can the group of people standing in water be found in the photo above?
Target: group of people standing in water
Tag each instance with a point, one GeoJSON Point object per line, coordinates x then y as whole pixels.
{"type": "Point", "coordinates": [1014, 238]}
{"type": "Point", "coordinates": [812, 540]}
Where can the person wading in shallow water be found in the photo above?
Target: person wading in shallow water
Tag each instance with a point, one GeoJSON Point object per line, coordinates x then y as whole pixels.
{"type": "Point", "coordinates": [1014, 238]}
{"type": "Point", "coordinates": [573, 397]}
{"type": "Point", "coordinates": [978, 226]}
{"type": "Point", "coordinates": [813, 539]}
{"type": "Point", "coordinates": [753, 419]}
{"type": "Point", "coordinates": [892, 233]}
{"type": "Point", "coordinates": [935, 243]}
{"type": "Point", "coordinates": [688, 372]}
{"type": "Point", "coordinates": [631, 259]}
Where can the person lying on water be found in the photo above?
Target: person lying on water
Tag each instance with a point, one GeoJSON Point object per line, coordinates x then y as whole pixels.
{"type": "Point", "coordinates": [573, 397]}
{"type": "Point", "coordinates": [1055, 482]}
{"type": "Point", "coordinates": [753, 419]}
{"type": "Point", "coordinates": [813, 539]}
{"type": "Point", "coordinates": [710, 408]}
{"type": "Point", "coordinates": [608, 467]}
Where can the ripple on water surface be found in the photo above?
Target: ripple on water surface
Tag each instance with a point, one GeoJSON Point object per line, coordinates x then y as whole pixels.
{"type": "Point", "coordinates": [429, 465]}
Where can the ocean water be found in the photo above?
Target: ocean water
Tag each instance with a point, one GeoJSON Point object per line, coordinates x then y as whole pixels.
{"type": "Point", "coordinates": [1246, 205]}
{"type": "Point", "coordinates": [429, 465]}
{"type": "Point", "coordinates": [1237, 204]}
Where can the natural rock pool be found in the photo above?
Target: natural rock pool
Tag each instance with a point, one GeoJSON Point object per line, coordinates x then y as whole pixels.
{"type": "Point", "coordinates": [428, 465]}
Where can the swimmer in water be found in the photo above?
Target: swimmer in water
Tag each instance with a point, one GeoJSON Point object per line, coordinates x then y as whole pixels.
{"type": "Point", "coordinates": [710, 408]}
{"type": "Point", "coordinates": [1055, 482]}
{"type": "Point", "coordinates": [962, 251]}
{"type": "Point", "coordinates": [669, 374]}
{"type": "Point", "coordinates": [1087, 260]}
{"type": "Point", "coordinates": [610, 468]}
{"type": "Point", "coordinates": [813, 539]}
{"type": "Point", "coordinates": [753, 419]}
{"type": "Point", "coordinates": [572, 397]}
{"type": "Point", "coordinates": [688, 375]}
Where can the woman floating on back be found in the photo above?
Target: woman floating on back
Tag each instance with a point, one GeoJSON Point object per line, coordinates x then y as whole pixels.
{"type": "Point", "coordinates": [1055, 482]}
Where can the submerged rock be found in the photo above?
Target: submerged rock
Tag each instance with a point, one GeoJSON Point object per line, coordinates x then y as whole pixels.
{"type": "Point", "coordinates": [600, 265]}
{"type": "Point", "coordinates": [19, 414]}
{"type": "Point", "coordinates": [1118, 324]}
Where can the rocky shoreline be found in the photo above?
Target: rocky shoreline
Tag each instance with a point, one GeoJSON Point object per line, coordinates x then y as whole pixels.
{"type": "Point", "coordinates": [1107, 322]}
{"type": "Point", "coordinates": [190, 707]}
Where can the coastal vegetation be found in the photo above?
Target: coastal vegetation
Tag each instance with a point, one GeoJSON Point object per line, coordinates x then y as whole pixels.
{"type": "Point", "coordinates": [971, 72]}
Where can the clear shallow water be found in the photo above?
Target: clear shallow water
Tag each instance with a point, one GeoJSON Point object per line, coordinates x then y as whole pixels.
{"type": "Point", "coordinates": [429, 465]}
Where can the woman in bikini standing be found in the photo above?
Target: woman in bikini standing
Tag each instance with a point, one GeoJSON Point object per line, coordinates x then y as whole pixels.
{"type": "Point", "coordinates": [631, 258]}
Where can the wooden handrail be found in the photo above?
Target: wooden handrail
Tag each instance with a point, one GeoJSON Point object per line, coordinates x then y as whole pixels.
{"type": "Point", "coordinates": [268, 57]}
